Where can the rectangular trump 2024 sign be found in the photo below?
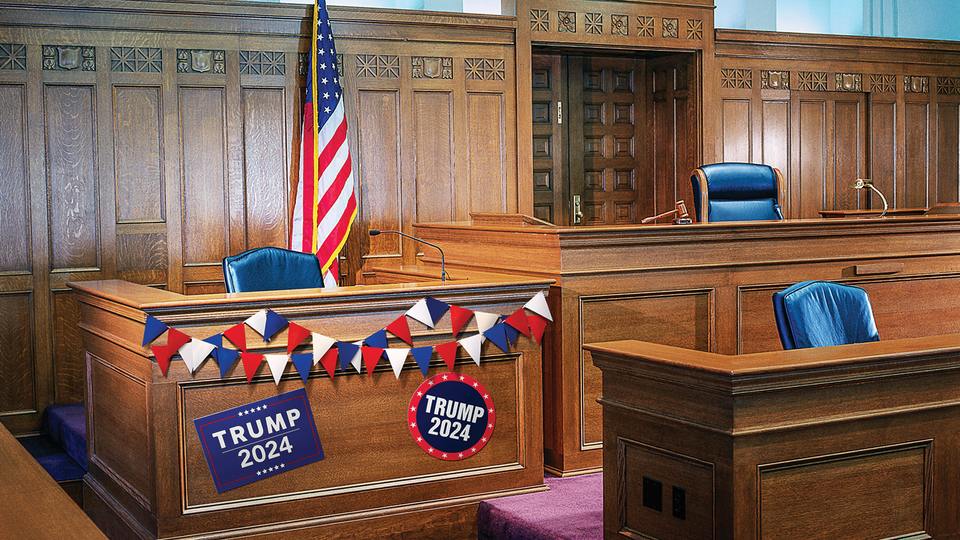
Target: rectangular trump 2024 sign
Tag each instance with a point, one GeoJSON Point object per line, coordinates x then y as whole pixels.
{"type": "Point", "coordinates": [259, 440]}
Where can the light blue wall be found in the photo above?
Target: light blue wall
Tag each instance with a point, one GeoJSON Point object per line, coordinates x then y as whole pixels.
{"type": "Point", "coordinates": [924, 19]}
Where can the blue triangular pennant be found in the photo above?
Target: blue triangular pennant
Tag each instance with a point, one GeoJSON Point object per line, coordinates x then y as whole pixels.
{"type": "Point", "coordinates": [422, 355]}
{"type": "Point", "coordinates": [436, 308]}
{"type": "Point", "coordinates": [225, 359]}
{"type": "Point", "coordinates": [511, 332]}
{"type": "Point", "coordinates": [498, 336]}
{"type": "Point", "coordinates": [303, 362]}
{"type": "Point", "coordinates": [152, 329]}
{"type": "Point", "coordinates": [378, 340]}
{"type": "Point", "coordinates": [346, 352]}
{"type": "Point", "coordinates": [273, 325]}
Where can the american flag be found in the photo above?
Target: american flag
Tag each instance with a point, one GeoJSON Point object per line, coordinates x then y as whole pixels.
{"type": "Point", "coordinates": [325, 205]}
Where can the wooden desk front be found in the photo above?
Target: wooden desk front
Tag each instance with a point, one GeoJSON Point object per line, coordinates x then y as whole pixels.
{"type": "Point", "coordinates": [148, 476]}
{"type": "Point", "coordinates": [855, 441]}
{"type": "Point", "coordinates": [704, 287]}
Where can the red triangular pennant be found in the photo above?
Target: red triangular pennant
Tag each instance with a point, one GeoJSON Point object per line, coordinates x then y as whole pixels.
{"type": "Point", "coordinates": [163, 354]}
{"type": "Point", "coordinates": [459, 317]}
{"type": "Point", "coordinates": [371, 355]}
{"type": "Point", "coordinates": [401, 329]}
{"type": "Point", "coordinates": [519, 321]}
{"type": "Point", "coordinates": [237, 335]}
{"type": "Point", "coordinates": [537, 325]}
{"type": "Point", "coordinates": [251, 361]}
{"type": "Point", "coordinates": [329, 361]}
{"type": "Point", "coordinates": [295, 336]}
{"type": "Point", "coordinates": [448, 351]}
{"type": "Point", "coordinates": [176, 339]}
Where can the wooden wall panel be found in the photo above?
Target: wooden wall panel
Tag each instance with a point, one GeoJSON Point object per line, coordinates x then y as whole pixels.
{"type": "Point", "coordinates": [486, 142]}
{"type": "Point", "coordinates": [948, 152]}
{"type": "Point", "coordinates": [139, 162]}
{"type": "Point", "coordinates": [265, 167]}
{"type": "Point", "coordinates": [18, 390]}
{"type": "Point", "coordinates": [883, 152]}
{"type": "Point", "coordinates": [811, 189]}
{"type": "Point", "coordinates": [775, 141]}
{"type": "Point", "coordinates": [14, 199]}
{"type": "Point", "coordinates": [381, 176]}
{"type": "Point", "coordinates": [846, 153]}
{"type": "Point", "coordinates": [205, 190]}
{"type": "Point", "coordinates": [434, 155]}
{"type": "Point", "coordinates": [72, 177]}
{"type": "Point", "coordinates": [68, 362]}
{"type": "Point", "coordinates": [916, 126]}
{"type": "Point", "coordinates": [737, 122]}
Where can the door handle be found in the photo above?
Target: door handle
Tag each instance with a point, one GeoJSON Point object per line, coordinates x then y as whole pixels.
{"type": "Point", "coordinates": [577, 211]}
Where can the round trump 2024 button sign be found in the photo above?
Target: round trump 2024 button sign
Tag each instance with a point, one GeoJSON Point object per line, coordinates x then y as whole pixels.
{"type": "Point", "coordinates": [451, 416]}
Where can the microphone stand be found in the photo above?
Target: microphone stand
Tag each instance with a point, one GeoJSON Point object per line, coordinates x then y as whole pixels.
{"type": "Point", "coordinates": [861, 183]}
{"type": "Point", "coordinates": [443, 271]}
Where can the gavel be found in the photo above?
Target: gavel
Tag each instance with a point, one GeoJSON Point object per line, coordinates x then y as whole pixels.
{"type": "Point", "coordinates": [680, 210]}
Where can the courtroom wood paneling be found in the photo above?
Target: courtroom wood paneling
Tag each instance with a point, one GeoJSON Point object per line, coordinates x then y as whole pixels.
{"type": "Point", "coordinates": [206, 215]}
{"type": "Point", "coordinates": [266, 163]}
{"type": "Point", "coordinates": [948, 152]}
{"type": "Point", "coordinates": [14, 198]}
{"type": "Point", "coordinates": [18, 370]}
{"type": "Point", "coordinates": [71, 145]}
{"type": "Point", "coordinates": [917, 193]}
{"type": "Point", "coordinates": [888, 113]}
{"type": "Point", "coordinates": [775, 139]}
{"type": "Point", "coordinates": [139, 158]}
{"type": "Point", "coordinates": [68, 357]}
{"type": "Point", "coordinates": [882, 155]}
{"type": "Point", "coordinates": [737, 123]}
{"type": "Point", "coordinates": [379, 158]}
{"type": "Point", "coordinates": [486, 143]}
{"type": "Point", "coordinates": [434, 155]}
{"type": "Point", "coordinates": [147, 159]}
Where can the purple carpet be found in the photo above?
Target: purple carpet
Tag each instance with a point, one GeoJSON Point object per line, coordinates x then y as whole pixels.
{"type": "Point", "coordinates": [571, 510]}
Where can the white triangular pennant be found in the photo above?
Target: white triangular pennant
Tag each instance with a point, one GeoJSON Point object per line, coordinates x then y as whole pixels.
{"type": "Point", "coordinates": [421, 313]}
{"type": "Point", "coordinates": [485, 321]}
{"type": "Point", "coordinates": [258, 321]}
{"type": "Point", "coordinates": [538, 305]}
{"type": "Point", "coordinates": [321, 344]}
{"type": "Point", "coordinates": [472, 346]}
{"type": "Point", "coordinates": [397, 357]}
{"type": "Point", "coordinates": [277, 363]}
{"type": "Point", "coordinates": [194, 352]}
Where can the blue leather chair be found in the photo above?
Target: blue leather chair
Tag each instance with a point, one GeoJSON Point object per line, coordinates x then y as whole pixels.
{"type": "Point", "coordinates": [821, 314]}
{"type": "Point", "coordinates": [272, 269]}
{"type": "Point", "coordinates": [736, 192]}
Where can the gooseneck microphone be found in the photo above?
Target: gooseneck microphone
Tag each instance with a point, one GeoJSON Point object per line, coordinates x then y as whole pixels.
{"type": "Point", "coordinates": [443, 271]}
{"type": "Point", "coordinates": [861, 183]}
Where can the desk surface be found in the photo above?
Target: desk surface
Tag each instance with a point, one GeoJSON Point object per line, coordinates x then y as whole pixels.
{"type": "Point", "coordinates": [34, 506]}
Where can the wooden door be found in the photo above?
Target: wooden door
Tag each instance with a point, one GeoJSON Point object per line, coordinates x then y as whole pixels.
{"type": "Point", "coordinates": [606, 139]}
{"type": "Point", "coordinates": [549, 142]}
{"type": "Point", "coordinates": [614, 137]}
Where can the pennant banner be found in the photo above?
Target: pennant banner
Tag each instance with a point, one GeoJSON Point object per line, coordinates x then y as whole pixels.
{"type": "Point", "coordinates": [334, 355]}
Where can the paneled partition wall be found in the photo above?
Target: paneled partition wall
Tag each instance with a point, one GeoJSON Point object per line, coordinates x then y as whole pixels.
{"type": "Point", "coordinates": [148, 140]}
{"type": "Point", "coordinates": [827, 110]}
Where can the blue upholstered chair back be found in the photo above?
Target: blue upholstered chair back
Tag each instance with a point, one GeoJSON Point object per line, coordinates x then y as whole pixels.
{"type": "Point", "coordinates": [736, 192]}
{"type": "Point", "coordinates": [821, 314]}
{"type": "Point", "coordinates": [271, 269]}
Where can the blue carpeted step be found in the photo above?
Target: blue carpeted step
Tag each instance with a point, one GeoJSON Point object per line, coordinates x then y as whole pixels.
{"type": "Point", "coordinates": [52, 458]}
{"type": "Point", "coordinates": [66, 425]}
{"type": "Point", "coordinates": [571, 510]}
